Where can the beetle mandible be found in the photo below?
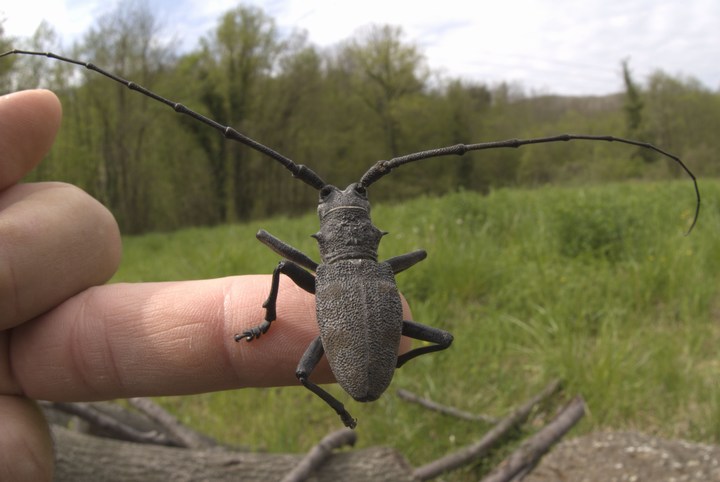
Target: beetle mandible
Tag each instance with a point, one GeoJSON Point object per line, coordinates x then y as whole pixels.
{"type": "Point", "coordinates": [358, 305]}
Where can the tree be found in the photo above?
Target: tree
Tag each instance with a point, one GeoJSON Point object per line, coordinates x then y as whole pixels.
{"type": "Point", "coordinates": [633, 109]}
{"type": "Point", "coordinates": [231, 62]}
{"type": "Point", "coordinates": [7, 66]}
{"type": "Point", "coordinates": [114, 124]}
{"type": "Point", "coordinates": [682, 116]}
{"type": "Point", "coordinates": [29, 72]}
{"type": "Point", "coordinates": [292, 119]}
{"type": "Point", "coordinates": [383, 71]}
{"type": "Point", "coordinates": [633, 106]}
{"type": "Point", "coordinates": [467, 104]}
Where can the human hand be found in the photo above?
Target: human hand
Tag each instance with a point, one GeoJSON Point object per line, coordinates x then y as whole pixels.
{"type": "Point", "coordinates": [66, 337]}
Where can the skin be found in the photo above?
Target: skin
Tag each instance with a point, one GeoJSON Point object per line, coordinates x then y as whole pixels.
{"type": "Point", "coordinates": [64, 336]}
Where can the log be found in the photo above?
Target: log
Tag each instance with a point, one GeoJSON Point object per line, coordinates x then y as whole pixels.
{"type": "Point", "coordinates": [84, 458]}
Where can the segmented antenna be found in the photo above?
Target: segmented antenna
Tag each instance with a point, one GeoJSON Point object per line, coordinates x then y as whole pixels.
{"type": "Point", "coordinates": [381, 168]}
{"type": "Point", "coordinates": [299, 171]}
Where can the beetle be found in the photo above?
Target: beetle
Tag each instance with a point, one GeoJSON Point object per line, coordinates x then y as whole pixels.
{"type": "Point", "coordinates": [359, 312]}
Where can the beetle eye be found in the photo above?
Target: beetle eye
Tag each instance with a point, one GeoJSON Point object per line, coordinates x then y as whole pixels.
{"type": "Point", "coordinates": [325, 191]}
{"type": "Point", "coordinates": [360, 189]}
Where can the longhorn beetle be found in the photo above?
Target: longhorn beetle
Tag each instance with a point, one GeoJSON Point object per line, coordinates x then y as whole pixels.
{"type": "Point", "coordinates": [358, 306]}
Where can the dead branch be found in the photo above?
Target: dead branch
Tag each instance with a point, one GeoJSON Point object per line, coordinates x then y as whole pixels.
{"type": "Point", "coordinates": [447, 410]}
{"type": "Point", "coordinates": [107, 423]}
{"type": "Point", "coordinates": [185, 436]}
{"type": "Point", "coordinates": [80, 457]}
{"type": "Point", "coordinates": [482, 447]}
{"type": "Point", "coordinates": [524, 459]}
{"type": "Point", "coordinates": [320, 453]}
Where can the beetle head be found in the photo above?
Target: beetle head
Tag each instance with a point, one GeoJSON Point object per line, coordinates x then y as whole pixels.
{"type": "Point", "coordinates": [332, 199]}
{"type": "Point", "coordinates": [346, 231]}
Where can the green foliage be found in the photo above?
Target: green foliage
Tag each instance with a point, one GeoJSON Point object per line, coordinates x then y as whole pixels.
{"type": "Point", "coordinates": [633, 106]}
{"type": "Point", "coordinates": [337, 110]}
{"type": "Point", "coordinates": [384, 73]}
{"type": "Point", "coordinates": [5, 67]}
{"type": "Point", "coordinates": [596, 285]}
{"type": "Point", "coordinates": [683, 115]}
{"type": "Point", "coordinates": [598, 227]}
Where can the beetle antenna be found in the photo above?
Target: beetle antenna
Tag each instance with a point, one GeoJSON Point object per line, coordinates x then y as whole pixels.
{"type": "Point", "coordinates": [299, 171]}
{"type": "Point", "coordinates": [381, 168]}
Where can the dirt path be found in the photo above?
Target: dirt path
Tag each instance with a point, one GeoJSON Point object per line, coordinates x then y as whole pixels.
{"type": "Point", "coordinates": [628, 456]}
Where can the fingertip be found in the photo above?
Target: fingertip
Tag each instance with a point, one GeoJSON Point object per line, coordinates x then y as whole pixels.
{"type": "Point", "coordinates": [56, 242]}
{"type": "Point", "coordinates": [29, 122]}
{"type": "Point", "coordinates": [38, 100]}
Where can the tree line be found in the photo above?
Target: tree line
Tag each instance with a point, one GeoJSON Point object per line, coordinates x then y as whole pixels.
{"type": "Point", "coordinates": [337, 110]}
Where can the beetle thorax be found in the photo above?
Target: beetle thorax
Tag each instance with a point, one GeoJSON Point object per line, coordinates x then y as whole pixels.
{"type": "Point", "coordinates": [346, 230]}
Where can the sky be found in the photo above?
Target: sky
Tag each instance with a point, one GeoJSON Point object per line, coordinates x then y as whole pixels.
{"type": "Point", "coordinates": [546, 46]}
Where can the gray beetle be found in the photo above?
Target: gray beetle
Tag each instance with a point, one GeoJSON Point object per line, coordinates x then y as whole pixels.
{"type": "Point", "coordinates": [357, 301]}
{"type": "Point", "coordinates": [358, 306]}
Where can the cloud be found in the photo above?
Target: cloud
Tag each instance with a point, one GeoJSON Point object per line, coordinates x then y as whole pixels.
{"type": "Point", "coordinates": [561, 46]}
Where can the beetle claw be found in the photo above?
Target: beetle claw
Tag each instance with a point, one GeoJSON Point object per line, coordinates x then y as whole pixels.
{"type": "Point", "coordinates": [348, 420]}
{"type": "Point", "coordinates": [253, 333]}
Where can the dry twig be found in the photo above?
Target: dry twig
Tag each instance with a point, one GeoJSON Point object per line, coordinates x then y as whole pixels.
{"type": "Point", "coordinates": [524, 459]}
{"type": "Point", "coordinates": [185, 436]}
{"type": "Point", "coordinates": [320, 453]}
{"type": "Point", "coordinates": [482, 447]}
{"type": "Point", "coordinates": [447, 410]}
{"type": "Point", "coordinates": [106, 422]}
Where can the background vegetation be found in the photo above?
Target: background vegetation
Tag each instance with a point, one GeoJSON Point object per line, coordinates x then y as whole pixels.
{"type": "Point", "coordinates": [337, 110]}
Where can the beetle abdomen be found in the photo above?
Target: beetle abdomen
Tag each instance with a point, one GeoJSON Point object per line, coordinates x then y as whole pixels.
{"type": "Point", "coordinates": [360, 318]}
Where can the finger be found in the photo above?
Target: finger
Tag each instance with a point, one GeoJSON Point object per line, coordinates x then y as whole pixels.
{"type": "Point", "coordinates": [164, 339]}
{"type": "Point", "coordinates": [55, 241]}
{"type": "Point", "coordinates": [26, 451]}
{"type": "Point", "coordinates": [29, 121]}
{"type": "Point", "coordinates": [175, 338]}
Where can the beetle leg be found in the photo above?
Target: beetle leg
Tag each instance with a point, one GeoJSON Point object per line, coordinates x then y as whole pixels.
{"type": "Point", "coordinates": [301, 278]}
{"type": "Point", "coordinates": [441, 338]}
{"type": "Point", "coordinates": [405, 261]}
{"type": "Point", "coordinates": [307, 364]}
{"type": "Point", "coordinates": [285, 250]}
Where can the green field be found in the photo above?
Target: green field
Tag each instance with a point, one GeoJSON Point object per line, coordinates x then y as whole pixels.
{"type": "Point", "coordinates": [595, 285]}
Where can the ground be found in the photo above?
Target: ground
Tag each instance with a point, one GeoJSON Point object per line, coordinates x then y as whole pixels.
{"type": "Point", "coordinates": [628, 456]}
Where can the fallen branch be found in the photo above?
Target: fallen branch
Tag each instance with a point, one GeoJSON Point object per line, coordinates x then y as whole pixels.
{"type": "Point", "coordinates": [80, 457]}
{"type": "Point", "coordinates": [105, 422]}
{"type": "Point", "coordinates": [185, 436]}
{"type": "Point", "coordinates": [482, 447]}
{"type": "Point", "coordinates": [320, 453]}
{"type": "Point", "coordinates": [524, 459]}
{"type": "Point", "coordinates": [431, 405]}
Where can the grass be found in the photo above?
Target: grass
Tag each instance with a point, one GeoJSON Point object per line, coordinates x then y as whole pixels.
{"type": "Point", "coordinates": [595, 285]}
